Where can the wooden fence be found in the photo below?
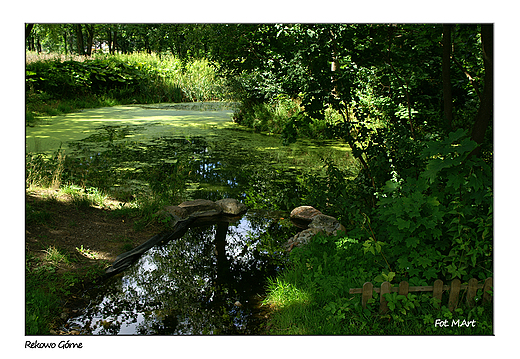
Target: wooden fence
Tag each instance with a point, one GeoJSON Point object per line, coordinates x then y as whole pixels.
{"type": "Point", "coordinates": [438, 288]}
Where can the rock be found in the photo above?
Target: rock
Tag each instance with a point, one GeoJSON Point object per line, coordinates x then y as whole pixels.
{"type": "Point", "coordinates": [172, 214]}
{"type": "Point", "coordinates": [329, 225]}
{"type": "Point", "coordinates": [231, 206]}
{"type": "Point", "coordinates": [303, 215]}
{"type": "Point", "coordinates": [176, 211]}
{"type": "Point", "coordinates": [316, 222]}
{"type": "Point", "coordinates": [199, 205]}
{"type": "Point", "coordinates": [302, 238]}
{"type": "Point", "coordinates": [202, 216]}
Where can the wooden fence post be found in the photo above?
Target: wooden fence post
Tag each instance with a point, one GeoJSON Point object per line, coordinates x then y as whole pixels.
{"type": "Point", "coordinates": [454, 294]}
{"type": "Point", "coordinates": [438, 288]}
{"type": "Point", "coordinates": [367, 294]}
{"type": "Point", "coordinates": [383, 304]}
{"type": "Point", "coordinates": [472, 292]}
{"type": "Point", "coordinates": [488, 284]}
{"type": "Point", "coordinates": [437, 292]}
{"type": "Point", "coordinates": [403, 288]}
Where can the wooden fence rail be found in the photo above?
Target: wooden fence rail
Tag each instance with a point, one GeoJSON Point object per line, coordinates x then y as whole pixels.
{"type": "Point", "coordinates": [437, 288]}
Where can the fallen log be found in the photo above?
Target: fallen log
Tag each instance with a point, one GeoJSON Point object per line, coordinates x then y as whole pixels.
{"type": "Point", "coordinates": [124, 260]}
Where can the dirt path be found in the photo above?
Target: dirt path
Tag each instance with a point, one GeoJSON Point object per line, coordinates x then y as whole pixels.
{"type": "Point", "coordinates": [88, 236]}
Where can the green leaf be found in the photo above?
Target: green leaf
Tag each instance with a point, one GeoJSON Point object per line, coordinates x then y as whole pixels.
{"type": "Point", "coordinates": [467, 145]}
{"type": "Point", "coordinates": [412, 242]}
{"type": "Point", "coordinates": [433, 201]}
{"type": "Point", "coordinates": [455, 136]}
{"type": "Point", "coordinates": [390, 276]}
{"type": "Point", "coordinates": [391, 186]}
{"type": "Point", "coordinates": [430, 273]}
{"type": "Point", "coordinates": [402, 224]}
{"type": "Point", "coordinates": [432, 168]}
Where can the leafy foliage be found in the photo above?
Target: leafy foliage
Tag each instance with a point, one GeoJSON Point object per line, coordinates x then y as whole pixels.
{"type": "Point", "coordinates": [312, 297]}
{"type": "Point", "coordinates": [119, 79]}
{"type": "Point", "coordinates": [420, 205]}
{"type": "Point", "coordinates": [429, 202]}
{"type": "Point", "coordinates": [440, 224]}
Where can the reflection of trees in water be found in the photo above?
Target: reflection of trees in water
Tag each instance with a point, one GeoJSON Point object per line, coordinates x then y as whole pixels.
{"type": "Point", "coordinates": [190, 285]}
{"type": "Point", "coordinates": [167, 164]}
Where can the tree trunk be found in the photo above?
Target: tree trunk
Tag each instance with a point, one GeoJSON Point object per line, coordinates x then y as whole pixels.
{"type": "Point", "coordinates": [90, 38]}
{"type": "Point", "coordinates": [65, 42]}
{"type": "Point", "coordinates": [110, 41]}
{"type": "Point", "coordinates": [485, 110]}
{"type": "Point", "coordinates": [30, 43]}
{"type": "Point", "coordinates": [446, 77]}
{"type": "Point", "coordinates": [28, 29]}
{"type": "Point", "coordinates": [79, 36]}
{"type": "Point", "coordinates": [114, 43]}
{"type": "Point", "coordinates": [29, 40]}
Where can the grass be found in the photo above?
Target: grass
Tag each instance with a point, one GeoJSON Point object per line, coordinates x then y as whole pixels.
{"type": "Point", "coordinates": [55, 257]}
{"type": "Point", "coordinates": [312, 297]}
{"type": "Point", "coordinates": [45, 288]}
{"type": "Point", "coordinates": [42, 290]}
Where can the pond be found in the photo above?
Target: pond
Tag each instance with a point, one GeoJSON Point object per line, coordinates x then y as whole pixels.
{"type": "Point", "coordinates": [209, 281]}
{"type": "Point", "coordinates": [174, 149]}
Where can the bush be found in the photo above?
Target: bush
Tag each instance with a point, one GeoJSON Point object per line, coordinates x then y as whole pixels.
{"type": "Point", "coordinates": [439, 225]}
{"type": "Point", "coordinates": [311, 297]}
{"type": "Point", "coordinates": [135, 78]}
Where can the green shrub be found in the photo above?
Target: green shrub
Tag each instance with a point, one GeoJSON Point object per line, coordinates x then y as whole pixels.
{"type": "Point", "coordinates": [312, 297]}
{"type": "Point", "coordinates": [54, 86]}
{"type": "Point", "coordinates": [439, 225]}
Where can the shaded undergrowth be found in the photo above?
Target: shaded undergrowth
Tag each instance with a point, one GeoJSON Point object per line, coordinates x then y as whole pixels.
{"type": "Point", "coordinates": [311, 297]}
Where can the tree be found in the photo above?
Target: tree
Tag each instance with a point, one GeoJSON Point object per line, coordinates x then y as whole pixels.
{"type": "Point", "coordinates": [79, 39]}
{"type": "Point", "coordinates": [446, 76]}
{"type": "Point", "coordinates": [28, 29]}
{"type": "Point", "coordinates": [90, 38]}
{"type": "Point", "coordinates": [405, 68]}
{"type": "Point", "coordinates": [485, 110]}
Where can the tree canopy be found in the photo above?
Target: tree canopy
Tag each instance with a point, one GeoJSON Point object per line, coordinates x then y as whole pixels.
{"type": "Point", "coordinates": [394, 85]}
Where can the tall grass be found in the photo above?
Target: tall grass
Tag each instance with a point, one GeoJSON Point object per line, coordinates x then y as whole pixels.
{"type": "Point", "coordinates": [41, 171]}
{"type": "Point", "coordinates": [107, 80]}
{"type": "Point", "coordinates": [33, 56]}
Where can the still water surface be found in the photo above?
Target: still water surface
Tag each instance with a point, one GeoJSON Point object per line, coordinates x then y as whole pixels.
{"type": "Point", "coordinates": [210, 281]}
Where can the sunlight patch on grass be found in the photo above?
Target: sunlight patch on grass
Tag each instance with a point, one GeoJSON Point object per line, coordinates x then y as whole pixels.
{"type": "Point", "coordinates": [283, 294]}
{"type": "Point", "coordinates": [54, 256]}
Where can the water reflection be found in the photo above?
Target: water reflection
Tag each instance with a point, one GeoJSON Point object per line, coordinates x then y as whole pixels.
{"type": "Point", "coordinates": [206, 282]}
{"type": "Point", "coordinates": [171, 165]}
